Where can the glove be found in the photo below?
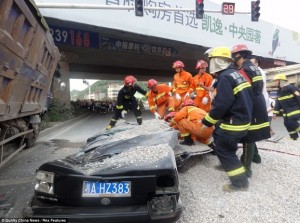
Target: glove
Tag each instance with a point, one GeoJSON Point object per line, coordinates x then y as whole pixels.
{"type": "Point", "coordinates": [157, 116]}
{"type": "Point", "coordinates": [123, 113]}
{"type": "Point", "coordinates": [178, 97]}
{"type": "Point", "coordinates": [204, 101]}
{"type": "Point", "coordinates": [186, 95]}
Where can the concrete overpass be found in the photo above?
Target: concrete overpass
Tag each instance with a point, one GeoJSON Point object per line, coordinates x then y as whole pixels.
{"type": "Point", "coordinates": [108, 44]}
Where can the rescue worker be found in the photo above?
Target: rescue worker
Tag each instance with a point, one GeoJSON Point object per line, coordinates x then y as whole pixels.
{"type": "Point", "coordinates": [126, 101]}
{"type": "Point", "coordinates": [231, 114]}
{"type": "Point", "coordinates": [182, 85]}
{"type": "Point", "coordinates": [256, 62]}
{"type": "Point", "coordinates": [159, 98]}
{"type": "Point", "coordinates": [188, 121]}
{"type": "Point", "coordinates": [289, 101]}
{"type": "Point", "coordinates": [170, 119]}
{"type": "Point", "coordinates": [201, 83]}
{"type": "Point", "coordinates": [260, 125]}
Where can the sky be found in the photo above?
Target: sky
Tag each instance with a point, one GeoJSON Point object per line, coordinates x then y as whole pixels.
{"type": "Point", "coordinates": [284, 13]}
{"type": "Point", "coordinates": [77, 84]}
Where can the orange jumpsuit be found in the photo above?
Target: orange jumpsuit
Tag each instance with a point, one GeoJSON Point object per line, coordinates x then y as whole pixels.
{"type": "Point", "coordinates": [188, 122]}
{"type": "Point", "coordinates": [182, 84]}
{"type": "Point", "coordinates": [206, 80]}
{"type": "Point", "coordinates": [160, 100]}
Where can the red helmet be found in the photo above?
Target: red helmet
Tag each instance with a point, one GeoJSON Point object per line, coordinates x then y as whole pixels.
{"type": "Point", "coordinates": [129, 80]}
{"type": "Point", "coordinates": [151, 82]}
{"type": "Point", "coordinates": [170, 115]}
{"type": "Point", "coordinates": [240, 47]}
{"type": "Point", "coordinates": [178, 64]}
{"type": "Point", "coordinates": [201, 64]}
{"type": "Point", "coordinates": [188, 102]}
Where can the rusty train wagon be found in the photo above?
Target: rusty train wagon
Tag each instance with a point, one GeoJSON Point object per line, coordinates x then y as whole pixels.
{"type": "Point", "coordinates": [28, 60]}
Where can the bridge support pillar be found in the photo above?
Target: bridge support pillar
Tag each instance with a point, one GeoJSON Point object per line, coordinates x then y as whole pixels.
{"type": "Point", "coordinates": [63, 96]}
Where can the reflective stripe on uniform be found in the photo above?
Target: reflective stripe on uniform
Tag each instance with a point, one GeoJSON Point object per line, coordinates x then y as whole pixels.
{"type": "Point", "coordinates": [259, 126]}
{"type": "Point", "coordinates": [152, 107]}
{"type": "Point", "coordinates": [200, 88]}
{"type": "Point", "coordinates": [182, 85]}
{"type": "Point", "coordinates": [139, 117]}
{"type": "Point", "coordinates": [236, 172]}
{"type": "Point", "coordinates": [236, 128]}
{"type": "Point", "coordinates": [240, 87]}
{"type": "Point", "coordinates": [292, 132]}
{"type": "Point", "coordinates": [160, 95]}
{"type": "Point", "coordinates": [185, 134]}
{"type": "Point", "coordinates": [285, 97]}
{"type": "Point", "coordinates": [119, 106]}
{"type": "Point", "coordinates": [257, 78]}
{"type": "Point", "coordinates": [276, 112]}
{"type": "Point", "coordinates": [210, 119]}
{"type": "Point", "coordinates": [192, 109]}
{"type": "Point", "coordinates": [297, 112]}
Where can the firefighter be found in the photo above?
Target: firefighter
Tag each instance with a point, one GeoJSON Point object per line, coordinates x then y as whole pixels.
{"type": "Point", "coordinates": [289, 101]}
{"type": "Point", "coordinates": [201, 83]}
{"type": "Point", "coordinates": [182, 85]}
{"type": "Point", "coordinates": [231, 114]}
{"type": "Point", "coordinates": [188, 121]}
{"type": "Point", "coordinates": [170, 119]}
{"type": "Point", "coordinates": [126, 101]}
{"type": "Point", "coordinates": [260, 125]}
{"type": "Point", "coordinates": [159, 98]}
{"type": "Point", "coordinates": [256, 62]}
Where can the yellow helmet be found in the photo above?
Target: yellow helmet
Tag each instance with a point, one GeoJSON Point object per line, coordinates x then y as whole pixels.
{"type": "Point", "coordinates": [280, 77]}
{"type": "Point", "coordinates": [221, 51]}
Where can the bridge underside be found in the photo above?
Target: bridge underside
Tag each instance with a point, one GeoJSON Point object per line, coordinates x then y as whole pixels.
{"type": "Point", "coordinates": [110, 64]}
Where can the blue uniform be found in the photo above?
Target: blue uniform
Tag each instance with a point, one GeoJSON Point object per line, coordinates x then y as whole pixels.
{"type": "Point", "coordinates": [231, 113]}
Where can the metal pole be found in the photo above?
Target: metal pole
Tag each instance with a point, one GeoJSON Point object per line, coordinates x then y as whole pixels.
{"type": "Point", "coordinates": [89, 90]}
{"type": "Point", "coordinates": [81, 6]}
{"type": "Point", "coordinates": [119, 7]}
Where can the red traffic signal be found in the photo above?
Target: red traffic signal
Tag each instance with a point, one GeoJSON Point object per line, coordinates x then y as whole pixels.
{"type": "Point", "coordinates": [199, 9]}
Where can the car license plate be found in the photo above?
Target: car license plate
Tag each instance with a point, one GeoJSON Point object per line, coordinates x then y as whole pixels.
{"type": "Point", "coordinates": [106, 189]}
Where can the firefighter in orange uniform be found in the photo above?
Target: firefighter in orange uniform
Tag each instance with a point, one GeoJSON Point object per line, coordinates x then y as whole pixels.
{"type": "Point", "coordinates": [201, 82]}
{"type": "Point", "coordinates": [170, 119]}
{"type": "Point", "coordinates": [182, 85]}
{"type": "Point", "coordinates": [159, 98]}
{"type": "Point", "coordinates": [188, 121]}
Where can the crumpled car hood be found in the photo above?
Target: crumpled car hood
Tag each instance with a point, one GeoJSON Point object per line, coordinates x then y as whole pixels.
{"type": "Point", "coordinates": [126, 149]}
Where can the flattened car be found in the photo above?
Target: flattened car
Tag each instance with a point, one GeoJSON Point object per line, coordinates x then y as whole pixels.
{"type": "Point", "coordinates": [122, 175]}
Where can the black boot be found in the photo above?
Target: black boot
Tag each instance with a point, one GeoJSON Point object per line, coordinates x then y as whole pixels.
{"type": "Point", "coordinates": [187, 141]}
{"type": "Point", "coordinates": [139, 120]}
{"type": "Point", "coordinates": [256, 157]}
{"type": "Point", "coordinates": [212, 146]}
{"type": "Point", "coordinates": [249, 153]}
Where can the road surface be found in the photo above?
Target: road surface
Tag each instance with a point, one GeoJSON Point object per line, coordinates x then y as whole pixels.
{"type": "Point", "coordinates": [17, 177]}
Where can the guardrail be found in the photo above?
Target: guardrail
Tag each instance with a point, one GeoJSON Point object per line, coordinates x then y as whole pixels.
{"type": "Point", "coordinates": [3, 141]}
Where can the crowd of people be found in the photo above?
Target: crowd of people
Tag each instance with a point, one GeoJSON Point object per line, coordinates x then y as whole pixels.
{"type": "Point", "coordinates": [221, 108]}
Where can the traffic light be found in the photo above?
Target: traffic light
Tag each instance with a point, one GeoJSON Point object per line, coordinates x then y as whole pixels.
{"type": "Point", "coordinates": [139, 7]}
{"type": "Point", "coordinates": [255, 10]}
{"type": "Point", "coordinates": [199, 9]}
